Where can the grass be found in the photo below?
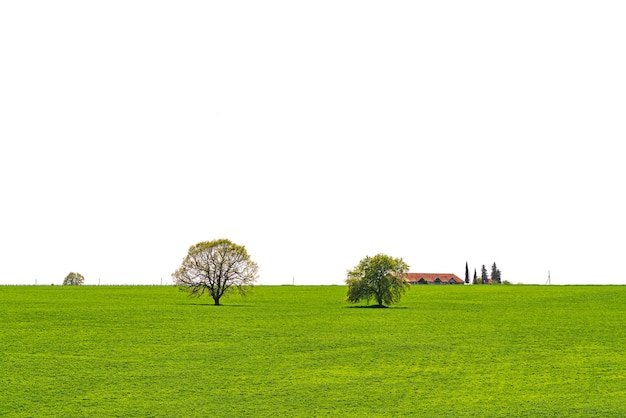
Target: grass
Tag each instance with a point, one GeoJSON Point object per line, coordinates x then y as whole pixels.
{"type": "Point", "coordinates": [301, 351]}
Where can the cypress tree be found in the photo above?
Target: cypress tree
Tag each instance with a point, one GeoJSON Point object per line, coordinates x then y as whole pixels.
{"type": "Point", "coordinates": [495, 274]}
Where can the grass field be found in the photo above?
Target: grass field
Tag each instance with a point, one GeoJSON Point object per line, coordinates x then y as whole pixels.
{"type": "Point", "coordinates": [301, 351]}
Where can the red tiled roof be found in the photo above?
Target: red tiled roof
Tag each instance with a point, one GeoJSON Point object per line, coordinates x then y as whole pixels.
{"type": "Point", "coordinates": [432, 277]}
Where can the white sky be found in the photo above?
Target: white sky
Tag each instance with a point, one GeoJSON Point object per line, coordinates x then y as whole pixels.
{"type": "Point", "coordinates": [314, 133]}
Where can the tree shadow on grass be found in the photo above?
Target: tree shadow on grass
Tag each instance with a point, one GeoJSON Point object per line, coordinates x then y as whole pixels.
{"type": "Point", "coordinates": [375, 307]}
{"type": "Point", "coordinates": [216, 306]}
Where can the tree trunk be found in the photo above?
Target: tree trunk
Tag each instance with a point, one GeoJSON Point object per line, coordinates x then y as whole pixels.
{"type": "Point", "coordinates": [216, 300]}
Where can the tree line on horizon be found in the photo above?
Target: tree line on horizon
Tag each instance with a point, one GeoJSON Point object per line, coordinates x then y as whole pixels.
{"type": "Point", "coordinates": [496, 275]}
{"type": "Point", "coordinates": [220, 267]}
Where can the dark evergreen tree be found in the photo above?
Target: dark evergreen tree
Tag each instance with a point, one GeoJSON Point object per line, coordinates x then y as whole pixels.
{"type": "Point", "coordinates": [466, 274]}
{"type": "Point", "coordinates": [483, 275]}
{"type": "Point", "coordinates": [475, 278]}
{"type": "Point", "coordinates": [495, 274]}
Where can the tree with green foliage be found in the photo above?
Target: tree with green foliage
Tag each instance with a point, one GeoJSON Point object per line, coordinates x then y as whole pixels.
{"type": "Point", "coordinates": [381, 278]}
{"type": "Point", "coordinates": [466, 274]}
{"type": "Point", "coordinates": [74, 279]}
{"type": "Point", "coordinates": [483, 275]}
{"type": "Point", "coordinates": [216, 267]}
{"type": "Point", "coordinates": [496, 275]}
{"type": "Point", "coordinates": [475, 278]}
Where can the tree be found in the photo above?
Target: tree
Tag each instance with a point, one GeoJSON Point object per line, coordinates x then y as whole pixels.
{"type": "Point", "coordinates": [475, 278]}
{"type": "Point", "coordinates": [483, 275]}
{"type": "Point", "coordinates": [466, 274]}
{"type": "Point", "coordinates": [382, 278]}
{"type": "Point", "coordinates": [496, 275]}
{"type": "Point", "coordinates": [73, 279]}
{"type": "Point", "coordinates": [217, 268]}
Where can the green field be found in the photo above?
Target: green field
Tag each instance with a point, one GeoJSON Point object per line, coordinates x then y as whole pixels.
{"type": "Point", "coordinates": [302, 351]}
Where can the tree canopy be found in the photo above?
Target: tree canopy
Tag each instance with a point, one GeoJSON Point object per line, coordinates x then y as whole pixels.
{"type": "Point", "coordinates": [217, 268]}
{"type": "Point", "coordinates": [381, 278]}
{"type": "Point", "coordinates": [73, 279]}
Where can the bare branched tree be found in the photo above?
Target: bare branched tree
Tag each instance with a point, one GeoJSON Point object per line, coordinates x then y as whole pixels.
{"type": "Point", "coordinates": [216, 267]}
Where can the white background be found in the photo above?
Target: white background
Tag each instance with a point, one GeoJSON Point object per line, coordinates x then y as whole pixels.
{"type": "Point", "coordinates": [313, 133]}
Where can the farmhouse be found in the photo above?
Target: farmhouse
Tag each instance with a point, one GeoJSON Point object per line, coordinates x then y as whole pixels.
{"type": "Point", "coordinates": [434, 278]}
